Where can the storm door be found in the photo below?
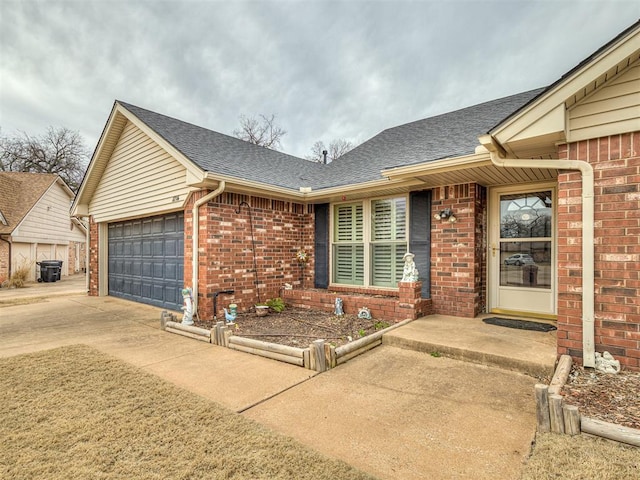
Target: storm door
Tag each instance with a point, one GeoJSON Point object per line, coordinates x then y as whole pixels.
{"type": "Point", "coordinates": [522, 251]}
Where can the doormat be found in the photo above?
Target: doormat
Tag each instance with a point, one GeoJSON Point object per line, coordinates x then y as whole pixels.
{"type": "Point", "coordinates": [520, 324]}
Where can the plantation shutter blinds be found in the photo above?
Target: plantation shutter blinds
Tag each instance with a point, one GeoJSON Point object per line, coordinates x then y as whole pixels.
{"type": "Point", "coordinates": [388, 240]}
{"type": "Point", "coordinates": [348, 249]}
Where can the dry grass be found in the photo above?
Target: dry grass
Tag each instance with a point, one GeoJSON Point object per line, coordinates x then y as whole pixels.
{"type": "Point", "coordinates": [74, 412]}
{"type": "Point", "coordinates": [581, 458]}
{"type": "Point", "coordinates": [19, 275]}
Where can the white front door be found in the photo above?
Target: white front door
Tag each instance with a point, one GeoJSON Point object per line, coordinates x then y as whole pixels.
{"type": "Point", "coordinates": [522, 261]}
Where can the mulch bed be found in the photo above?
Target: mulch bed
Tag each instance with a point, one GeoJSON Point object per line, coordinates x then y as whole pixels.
{"type": "Point", "coordinates": [604, 396]}
{"type": "Point", "coordinates": [298, 327]}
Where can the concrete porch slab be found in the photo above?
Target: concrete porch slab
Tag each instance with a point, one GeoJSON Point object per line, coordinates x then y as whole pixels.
{"type": "Point", "coordinates": [472, 340]}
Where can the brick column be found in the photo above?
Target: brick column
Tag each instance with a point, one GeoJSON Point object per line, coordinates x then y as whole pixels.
{"type": "Point", "coordinates": [410, 301]}
{"type": "Point", "coordinates": [93, 258]}
{"type": "Point", "coordinates": [616, 164]}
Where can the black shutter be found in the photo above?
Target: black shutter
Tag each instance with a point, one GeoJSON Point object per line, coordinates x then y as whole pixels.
{"type": "Point", "coordinates": [321, 245]}
{"type": "Point", "coordinates": [420, 237]}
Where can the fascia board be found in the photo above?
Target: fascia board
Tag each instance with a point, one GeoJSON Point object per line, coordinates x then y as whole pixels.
{"type": "Point", "coordinates": [565, 88]}
{"type": "Point", "coordinates": [247, 186]}
{"type": "Point", "coordinates": [91, 168]}
{"type": "Point", "coordinates": [451, 164]}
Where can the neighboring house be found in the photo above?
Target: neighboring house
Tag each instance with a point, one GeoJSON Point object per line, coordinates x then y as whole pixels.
{"type": "Point", "coordinates": [539, 174]}
{"type": "Point", "coordinates": [35, 224]}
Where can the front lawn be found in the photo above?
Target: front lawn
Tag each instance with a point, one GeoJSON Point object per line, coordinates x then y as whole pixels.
{"type": "Point", "coordinates": [74, 412]}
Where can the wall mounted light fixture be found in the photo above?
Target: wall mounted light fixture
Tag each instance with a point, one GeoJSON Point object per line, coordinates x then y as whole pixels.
{"type": "Point", "coordinates": [446, 214]}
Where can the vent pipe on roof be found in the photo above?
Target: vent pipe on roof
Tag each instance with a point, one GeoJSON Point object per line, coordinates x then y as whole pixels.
{"type": "Point", "coordinates": [324, 156]}
{"type": "Point", "coordinates": [499, 158]}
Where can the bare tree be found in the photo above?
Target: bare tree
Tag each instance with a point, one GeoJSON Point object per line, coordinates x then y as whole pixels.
{"type": "Point", "coordinates": [336, 149]}
{"type": "Point", "coordinates": [262, 131]}
{"type": "Point", "coordinates": [59, 150]}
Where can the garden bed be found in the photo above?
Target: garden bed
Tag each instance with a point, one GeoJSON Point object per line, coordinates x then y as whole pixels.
{"type": "Point", "coordinates": [298, 327]}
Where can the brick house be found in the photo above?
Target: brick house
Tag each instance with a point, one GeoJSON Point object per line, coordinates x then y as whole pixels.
{"type": "Point", "coordinates": [496, 201]}
{"type": "Point", "coordinates": [36, 225]}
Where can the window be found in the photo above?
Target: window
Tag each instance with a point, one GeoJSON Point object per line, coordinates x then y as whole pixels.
{"type": "Point", "coordinates": [375, 230]}
{"type": "Point", "coordinates": [348, 246]}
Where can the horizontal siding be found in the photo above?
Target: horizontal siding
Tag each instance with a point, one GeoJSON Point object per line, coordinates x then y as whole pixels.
{"type": "Point", "coordinates": [49, 221]}
{"type": "Point", "coordinates": [611, 109]}
{"type": "Point", "coordinates": [140, 179]}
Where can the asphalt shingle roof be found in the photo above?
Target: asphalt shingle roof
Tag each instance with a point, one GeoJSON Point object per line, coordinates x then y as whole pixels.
{"type": "Point", "coordinates": [19, 192]}
{"type": "Point", "coordinates": [448, 135]}
{"type": "Point", "coordinates": [218, 153]}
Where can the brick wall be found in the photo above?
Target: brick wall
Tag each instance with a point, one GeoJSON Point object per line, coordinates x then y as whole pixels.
{"type": "Point", "coordinates": [458, 258]}
{"type": "Point", "coordinates": [404, 303]}
{"type": "Point", "coordinates": [4, 261]}
{"type": "Point", "coordinates": [616, 163]}
{"type": "Point", "coordinates": [93, 258]}
{"type": "Point", "coordinates": [72, 257]}
{"type": "Point", "coordinates": [226, 250]}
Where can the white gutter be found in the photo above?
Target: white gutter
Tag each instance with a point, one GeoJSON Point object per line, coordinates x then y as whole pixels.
{"type": "Point", "coordinates": [498, 158]}
{"type": "Point", "coordinates": [195, 236]}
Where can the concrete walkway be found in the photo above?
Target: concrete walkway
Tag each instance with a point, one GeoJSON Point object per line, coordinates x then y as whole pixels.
{"type": "Point", "coordinates": [395, 413]}
{"type": "Point", "coordinates": [472, 340]}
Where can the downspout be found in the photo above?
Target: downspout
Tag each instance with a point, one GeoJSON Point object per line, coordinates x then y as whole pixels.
{"type": "Point", "coordinates": [195, 237]}
{"type": "Point", "coordinates": [499, 159]}
{"type": "Point", "coordinates": [9, 265]}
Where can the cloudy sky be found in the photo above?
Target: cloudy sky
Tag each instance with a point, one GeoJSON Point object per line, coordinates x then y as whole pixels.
{"type": "Point", "coordinates": [325, 69]}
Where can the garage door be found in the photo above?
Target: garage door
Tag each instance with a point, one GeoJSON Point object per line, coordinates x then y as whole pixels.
{"type": "Point", "coordinates": [146, 260]}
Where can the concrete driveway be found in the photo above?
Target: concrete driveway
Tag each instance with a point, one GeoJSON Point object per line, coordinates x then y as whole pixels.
{"type": "Point", "coordinates": [395, 413]}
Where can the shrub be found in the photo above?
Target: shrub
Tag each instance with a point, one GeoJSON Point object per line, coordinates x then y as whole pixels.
{"type": "Point", "coordinates": [276, 304]}
{"type": "Point", "coordinates": [20, 275]}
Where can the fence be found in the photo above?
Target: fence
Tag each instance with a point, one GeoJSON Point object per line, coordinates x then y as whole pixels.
{"type": "Point", "coordinates": [553, 415]}
{"type": "Point", "coordinates": [320, 356]}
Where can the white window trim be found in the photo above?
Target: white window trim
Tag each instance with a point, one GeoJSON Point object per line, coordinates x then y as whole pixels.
{"type": "Point", "coordinates": [366, 238]}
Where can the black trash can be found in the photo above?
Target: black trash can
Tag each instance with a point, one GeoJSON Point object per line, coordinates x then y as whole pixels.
{"type": "Point", "coordinates": [48, 273]}
{"type": "Point", "coordinates": [51, 270]}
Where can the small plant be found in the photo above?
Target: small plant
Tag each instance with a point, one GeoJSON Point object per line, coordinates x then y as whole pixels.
{"type": "Point", "coordinates": [362, 332]}
{"type": "Point", "coordinates": [276, 304]}
{"type": "Point", "coordinates": [436, 354]}
{"type": "Point", "coordinates": [380, 325]}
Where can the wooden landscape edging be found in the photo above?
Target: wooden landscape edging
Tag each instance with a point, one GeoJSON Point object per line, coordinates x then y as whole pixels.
{"type": "Point", "coordinates": [554, 416]}
{"type": "Point", "coordinates": [319, 356]}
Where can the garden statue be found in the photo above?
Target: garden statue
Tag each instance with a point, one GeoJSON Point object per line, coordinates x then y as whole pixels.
{"type": "Point", "coordinates": [606, 363]}
{"type": "Point", "coordinates": [187, 300]}
{"type": "Point", "coordinates": [365, 313]}
{"type": "Point", "coordinates": [338, 311]}
{"type": "Point", "coordinates": [409, 273]}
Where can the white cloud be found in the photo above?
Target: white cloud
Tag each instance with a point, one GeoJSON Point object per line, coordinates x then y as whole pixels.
{"type": "Point", "coordinates": [326, 69]}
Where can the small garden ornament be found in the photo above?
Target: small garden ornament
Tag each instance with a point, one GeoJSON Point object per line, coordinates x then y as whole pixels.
{"type": "Point", "coordinates": [365, 313]}
{"type": "Point", "coordinates": [338, 310]}
{"type": "Point", "coordinates": [606, 363]}
{"type": "Point", "coordinates": [187, 300]}
{"type": "Point", "coordinates": [409, 272]}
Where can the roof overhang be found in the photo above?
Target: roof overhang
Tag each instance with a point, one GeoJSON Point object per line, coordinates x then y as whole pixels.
{"type": "Point", "coordinates": [476, 168]}
{"type": "Point", "coordinates": [108, 140]}
{"type": "Point", "coordinates": [535, 130]}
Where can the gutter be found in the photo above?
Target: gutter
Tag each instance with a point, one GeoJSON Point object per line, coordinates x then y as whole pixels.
{"type": "Point", "coordinates": [195, 236]}
{"type": "Point", "coordinates": [499, 159]}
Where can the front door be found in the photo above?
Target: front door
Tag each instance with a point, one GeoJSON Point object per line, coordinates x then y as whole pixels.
{"type": "Point", "coordinates": [522, 251]}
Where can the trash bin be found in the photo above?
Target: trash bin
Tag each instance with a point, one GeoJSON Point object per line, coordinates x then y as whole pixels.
{"type": "Point", "coordinates": [48, 273]}
{"type": "Point", "coordinates": [530, 275]}
{"type": "Point", "coordinates": [50, 270]}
